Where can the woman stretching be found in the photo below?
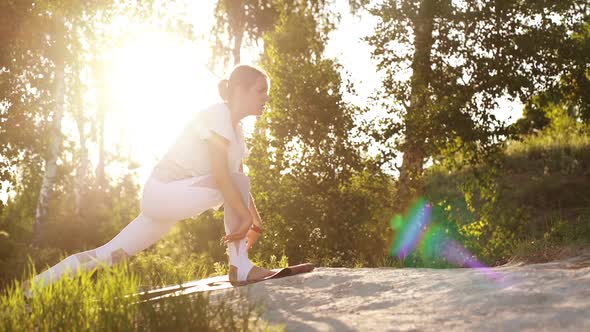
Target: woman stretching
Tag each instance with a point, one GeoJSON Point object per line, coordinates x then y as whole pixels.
{"type": "Point", "coordinates": [201, 170]}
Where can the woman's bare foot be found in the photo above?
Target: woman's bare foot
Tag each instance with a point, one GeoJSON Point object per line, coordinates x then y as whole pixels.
{"type": "Point", "coordinates": [258, 273]}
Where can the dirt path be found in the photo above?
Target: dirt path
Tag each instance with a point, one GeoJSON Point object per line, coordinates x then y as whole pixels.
{"type": "Point", "coordinates": [547, 297]}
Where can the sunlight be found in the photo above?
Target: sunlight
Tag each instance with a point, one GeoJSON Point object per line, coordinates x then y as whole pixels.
{"type": "Point", "coordinates": [157, 81]}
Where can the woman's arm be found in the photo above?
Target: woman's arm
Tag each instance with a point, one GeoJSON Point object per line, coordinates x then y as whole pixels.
{"type": "Point", "coordinates": [253, 210]}
{"type": "Point", "coordinates": [218, 152]}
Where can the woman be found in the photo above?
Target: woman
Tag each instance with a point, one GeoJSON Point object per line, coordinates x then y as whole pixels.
{"type": "Point", "coordinates": [201, 170]}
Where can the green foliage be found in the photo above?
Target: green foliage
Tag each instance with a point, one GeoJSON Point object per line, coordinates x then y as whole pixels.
{"type": "Point", "coordinates": [446, 65]}
{"type": "Point", "coordinates": [272, 262]}
{"type": "Point", "coordinates": [250, 20]}
{"type": "Point", "coordinates": [78, 304]}
{"type": "Point", "coordinates": [566, 237]}
{"type": "Point", "coordinates": [536, 191]}
{"type": "Point", "coordinates": [320, 200]}
{"type": "Point", "coordinates": [201, 235]}
{"type": "Point", "coordinates": [157, 269]}
{"type": "Point", "coordinates": [427, 235]}
{"type": "Point", "coordinates": [221, 268]}
{"type": "Point", "coordinates": [570, 94]}
{"type": "Point", "coordinates": [109, 302]}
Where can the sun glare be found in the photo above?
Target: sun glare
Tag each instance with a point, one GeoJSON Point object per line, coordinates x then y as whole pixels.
{"type": "Point", "coordinates": [157, 81]}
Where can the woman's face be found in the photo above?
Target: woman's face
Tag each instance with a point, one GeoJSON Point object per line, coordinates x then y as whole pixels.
{"type": "Point", "coordinates": [255, 97]}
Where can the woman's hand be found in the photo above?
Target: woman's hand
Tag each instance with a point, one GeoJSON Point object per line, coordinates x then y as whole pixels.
{"type": "Point", "coordinates": [241, 232]}
{"type": "Point", "coordinates": [252, 236]}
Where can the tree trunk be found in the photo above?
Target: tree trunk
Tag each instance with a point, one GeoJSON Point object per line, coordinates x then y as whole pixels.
{"type": "Point", "coordinates": [100, 123]}
{"type": "Point", "coordinates": [100, 173]}
{"type": "Point", "coordinates": [238, 46]}
{"type": "Point", "coordinates": [82, 170]}
{"type": "Point", "coordinates": [237, 22]}
{"type": "Point", "coordinates": [55, 139]}
{"type": "Point", "coordinates": [77, 104]}
{"type": "Point", "coordinates": [414, 149]}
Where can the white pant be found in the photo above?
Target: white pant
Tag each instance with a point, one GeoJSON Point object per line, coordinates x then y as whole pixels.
{"type": "Point", "coordinates": [162, 206]}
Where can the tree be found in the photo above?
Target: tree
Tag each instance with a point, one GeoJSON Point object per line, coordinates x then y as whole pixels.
{"type": "Point", "coordinates": [28, 54]}
{"type": "Point", "coordinates": [310, 181]}
{"type": "Point", "coordinates": [46, 47]}
{"type": "Point", "coordinates": [321, 199]}
{"type": "Point", "coordinates": [41, 65]}
{"type": "Point", "coordinates": [571, 92]}
{"type": "Point", "coordinates": [248, 20]}
{"type": "Point", "coordinates": [23, 91]}
{"type": "Point", "coordinates": [459, 58]}
{"type": "Point", "coordinates": [58, 57]}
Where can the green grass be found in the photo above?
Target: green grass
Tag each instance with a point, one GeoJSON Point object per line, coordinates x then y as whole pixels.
{"type": "Point", "coordinates": [157, 270]}
{"type": "Point", "coordinates": [563, 237]}
{"type": "Point", "coordinates": [532, 207]}
{"type": "Point", "coordinates": [107, 301]}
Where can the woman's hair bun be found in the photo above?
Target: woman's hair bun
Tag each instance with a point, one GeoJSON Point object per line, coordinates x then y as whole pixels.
{"type": "Point", "coordinates": [223, 87]}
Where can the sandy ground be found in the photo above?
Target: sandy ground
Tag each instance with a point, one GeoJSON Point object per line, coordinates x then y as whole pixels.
{"type": "Point", "coordinates": [538, 297]}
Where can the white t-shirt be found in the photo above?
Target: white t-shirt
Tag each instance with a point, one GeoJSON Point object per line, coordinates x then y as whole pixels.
{"type": "Point", "coordinates": [189, 157]}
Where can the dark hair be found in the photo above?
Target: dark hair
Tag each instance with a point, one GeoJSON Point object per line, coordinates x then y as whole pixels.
{"type": "Point", "coordinates": [241, 75]}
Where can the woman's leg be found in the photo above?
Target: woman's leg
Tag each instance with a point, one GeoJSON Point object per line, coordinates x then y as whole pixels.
{"type": "Point", "coordinates": [136, 236]}
{"type": "Point", "coordinates": [240, 264]}
{"type": "Point", "coordinates": [238, 255]}
{"type": "Point", "coordinates": [163, 204]}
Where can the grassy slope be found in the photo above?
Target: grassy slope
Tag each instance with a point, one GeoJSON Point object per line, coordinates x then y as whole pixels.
{"type": "Point", "coordinates": [535, 206]}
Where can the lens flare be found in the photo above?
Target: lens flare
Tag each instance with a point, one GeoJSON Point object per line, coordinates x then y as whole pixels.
{"type": "Point", "coordinates": [411, 231]}
{"type": "Point", "coordinates": [416, 232]}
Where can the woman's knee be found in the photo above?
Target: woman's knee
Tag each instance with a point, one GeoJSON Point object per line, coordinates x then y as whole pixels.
{"type": "Point", "coordinates": [152, 211]}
